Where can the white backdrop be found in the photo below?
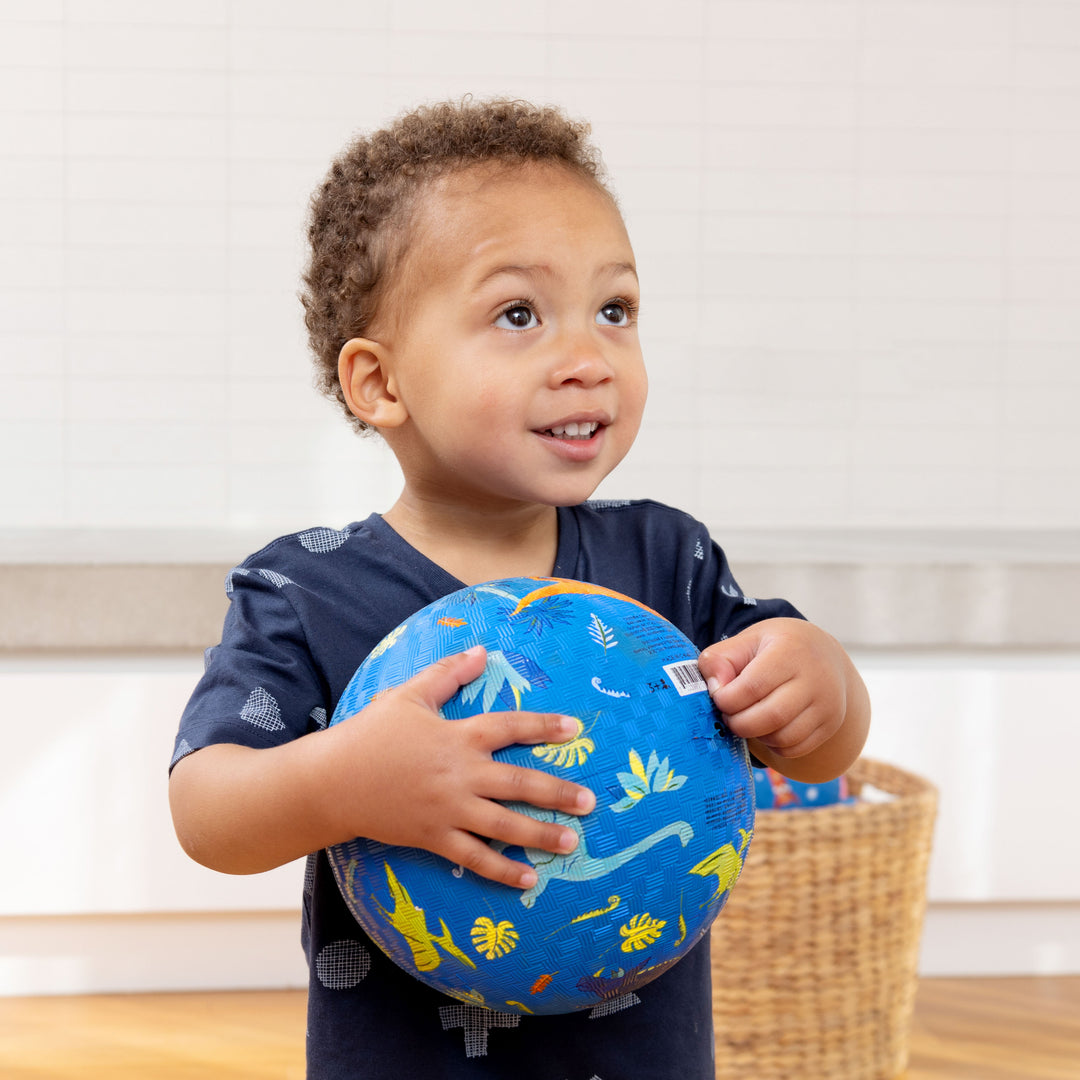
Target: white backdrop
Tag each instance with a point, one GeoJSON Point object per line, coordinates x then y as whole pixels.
{"type": "Point", "coordinates": [856, 222]}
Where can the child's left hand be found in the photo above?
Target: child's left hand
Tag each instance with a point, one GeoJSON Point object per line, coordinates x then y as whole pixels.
{"type": "Point", "coordinates": [790, 689]}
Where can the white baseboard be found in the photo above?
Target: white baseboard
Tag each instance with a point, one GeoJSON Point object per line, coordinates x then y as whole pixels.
{"type": "Point", "coordinates": [261, 950]}
{"type": "Point", "coordinates": [144, 953]}
{"type": "Point", "coordinates": [1001, 939]}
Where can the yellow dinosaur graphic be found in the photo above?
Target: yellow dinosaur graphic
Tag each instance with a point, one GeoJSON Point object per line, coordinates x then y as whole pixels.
{"type": "Point", "coordinates": [725, 862]}
{"type": "Point", "coordinates": [411, 923]}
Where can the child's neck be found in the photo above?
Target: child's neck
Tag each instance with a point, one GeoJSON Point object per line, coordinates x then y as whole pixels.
{"type": "Point", "coordinates": [478, 545]}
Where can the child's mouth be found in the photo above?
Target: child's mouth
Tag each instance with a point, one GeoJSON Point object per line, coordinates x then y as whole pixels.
{"type": "Point", "coordinates": [574, 431]}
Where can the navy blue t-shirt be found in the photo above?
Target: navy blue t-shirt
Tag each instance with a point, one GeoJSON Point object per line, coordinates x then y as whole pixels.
{"type": "Point", "coordinates": [304, 613]}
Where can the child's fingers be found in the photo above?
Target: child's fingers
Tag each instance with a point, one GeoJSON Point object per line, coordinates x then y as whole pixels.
{"type": "Point", "coordinates": [503, 823]}
{"type": "Point", "coordinates": [437, 684]}
{"type": "Point", "coordinates": [442, 680]}
{"type": "Point", "coordinates": [721, 663]}
{"type": "Point", "coordinates": [492, 826]}
{"type": "Point", "coordinates": [514, 784]}
{"type": "Point", "coordinates": [798, 727]}
{"type": "Point", "coordinates": [481, 858]}
{"type": "Point", "coordinates": [758, 689]}
{"type": "Point", "coordinates": [493, 731]}
{"type": "Point", "coordinates": [736, 671]}
{"type": "Point", "coordinates": [753, 717]}
{"type": "Point", "coordinates": [797, 745]}
{"type": "Point", "coordinates": [753, 664]}
{"type": "Point", "coordinates": [513, 825]}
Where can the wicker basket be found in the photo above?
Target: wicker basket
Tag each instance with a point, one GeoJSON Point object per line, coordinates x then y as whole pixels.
{"type": "Point", "coordinates": [814, 957]}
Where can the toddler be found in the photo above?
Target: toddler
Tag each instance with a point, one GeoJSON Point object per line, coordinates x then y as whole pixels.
{"type": "Point", "coordinates": [472, 297]}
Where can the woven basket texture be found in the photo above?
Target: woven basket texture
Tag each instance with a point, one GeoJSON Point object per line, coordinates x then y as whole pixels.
{"type": "Point", "coordinates": [815, 957]}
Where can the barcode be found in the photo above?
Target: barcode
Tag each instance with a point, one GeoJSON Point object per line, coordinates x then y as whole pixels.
{"type": "Point", "coordinates": [686, 677]}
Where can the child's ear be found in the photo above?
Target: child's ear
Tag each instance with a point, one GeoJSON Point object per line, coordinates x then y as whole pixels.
{"type": "Point", "coordinates": [368, 384]}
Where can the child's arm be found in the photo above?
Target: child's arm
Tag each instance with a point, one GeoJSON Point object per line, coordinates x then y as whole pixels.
{"type": "Point", "coordinates": [791, 690]}
{"type": "Point", "coordinates": [396, 772]}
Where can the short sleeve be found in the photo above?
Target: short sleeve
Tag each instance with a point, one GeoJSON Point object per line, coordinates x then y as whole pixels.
{"type": "Point", "coordinates": [720, 609]}
{"type": "Point", "coordinates": [260, 686]}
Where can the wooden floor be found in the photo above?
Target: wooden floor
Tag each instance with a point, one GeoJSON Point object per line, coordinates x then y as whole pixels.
{"type": "Point", "coordinates": [965, 1029]}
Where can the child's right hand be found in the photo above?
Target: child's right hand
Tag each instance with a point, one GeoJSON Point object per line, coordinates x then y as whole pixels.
{"type": "Point", "coordinates": [406, 776]}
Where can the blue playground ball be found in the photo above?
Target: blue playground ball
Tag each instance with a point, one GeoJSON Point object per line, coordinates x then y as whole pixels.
{"type": "Point", "coordinates": [656, 859]}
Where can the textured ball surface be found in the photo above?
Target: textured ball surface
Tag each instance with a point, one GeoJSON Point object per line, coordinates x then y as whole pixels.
{"type": "Point", "coordinates": [657, 857]}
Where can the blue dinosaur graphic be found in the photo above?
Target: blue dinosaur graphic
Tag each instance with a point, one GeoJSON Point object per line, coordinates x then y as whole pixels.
{"type": "Point", "coordinates": [579, 865]}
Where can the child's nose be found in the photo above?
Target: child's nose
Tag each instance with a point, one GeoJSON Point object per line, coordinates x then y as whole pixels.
{"type": "Point", "coordinates": [581, 359]}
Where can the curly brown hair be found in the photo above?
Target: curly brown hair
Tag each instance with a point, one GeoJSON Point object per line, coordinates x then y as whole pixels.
{"type": "Point", "coordinates": [359, 216]}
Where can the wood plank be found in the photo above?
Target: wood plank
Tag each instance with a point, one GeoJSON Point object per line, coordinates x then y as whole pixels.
{"type": "Point", "coordinates": [964, 1029]}
{"type": "Point", "coordinates": [996, 1029]}
{"type": "Point", "coordinates": [227, 1036]}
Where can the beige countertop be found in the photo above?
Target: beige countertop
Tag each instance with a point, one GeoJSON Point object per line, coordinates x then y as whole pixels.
{"type": "Point", "coordinates": [69, 590]}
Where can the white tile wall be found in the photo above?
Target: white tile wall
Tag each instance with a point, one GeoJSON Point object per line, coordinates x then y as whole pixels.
{"type": "Point", "coordinates": [857, 223]}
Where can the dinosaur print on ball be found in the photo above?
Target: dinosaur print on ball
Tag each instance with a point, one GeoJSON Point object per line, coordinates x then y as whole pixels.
{"type": "Point", "coordinates": [655, 861]}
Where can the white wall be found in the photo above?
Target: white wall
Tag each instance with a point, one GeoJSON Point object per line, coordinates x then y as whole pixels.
{"type": "Point", "coordinates": [856, 222]}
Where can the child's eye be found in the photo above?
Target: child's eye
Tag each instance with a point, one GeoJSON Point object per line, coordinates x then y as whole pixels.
{"type": "Point", "coordinates": [616, 313]}
{"type": "Point", "coordinates": [517, 317]}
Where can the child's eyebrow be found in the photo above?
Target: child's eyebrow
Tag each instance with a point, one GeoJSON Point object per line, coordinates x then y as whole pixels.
{"type": "Point", "coordinates": [542, 270]}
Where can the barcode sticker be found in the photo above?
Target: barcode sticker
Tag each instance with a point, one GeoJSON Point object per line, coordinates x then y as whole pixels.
{"type": "Point", "coordinates": [686, 677]}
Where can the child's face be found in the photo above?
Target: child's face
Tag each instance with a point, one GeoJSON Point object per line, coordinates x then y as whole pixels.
{"type": "Point", "coordinates": [512, 345]}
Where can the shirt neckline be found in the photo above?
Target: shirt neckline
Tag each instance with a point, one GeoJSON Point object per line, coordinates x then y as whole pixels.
{"type": "Point", "coordinates": [565, 550]}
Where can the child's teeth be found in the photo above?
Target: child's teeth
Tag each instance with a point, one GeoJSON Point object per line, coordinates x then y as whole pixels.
{"type": "Point", "coordinates": [574, 431]}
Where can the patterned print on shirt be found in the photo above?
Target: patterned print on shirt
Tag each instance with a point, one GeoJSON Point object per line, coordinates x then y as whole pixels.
{"type": "Point", "coordinates": [321, 541]}
{"type": "Point", "coordinates": [262, 710]}
{"type": "Point", "coordinates": [280, 580]}
{"type": "Point", "coordinates": [614, 1005]}
{"type": "Point", "coordinates": [341, 965]}
{"type": "Point", "coordinates": [477, 1022]}
{"type": "Point", "coordinates": [182, 751]}
{"type": "Point", "coordinates": [236, 571]}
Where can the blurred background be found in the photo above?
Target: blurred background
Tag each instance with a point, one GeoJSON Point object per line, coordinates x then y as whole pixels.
{"type": "Point", "coordinates": [858, 233]}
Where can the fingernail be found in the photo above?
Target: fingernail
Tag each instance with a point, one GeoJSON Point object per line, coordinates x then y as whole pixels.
{"type": "Point", "coordinates": [476, 650]}
{"type": "Point", "coordinates": [568, 725]}
{"type": "Point", "coordinates": [713, 683]}
{"type": "Point", "coordinates": [585, 800]}
{"type": "Point", "coordinates": [527, 879]}
{"type": "Point", "coordinates": [568, 840]}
